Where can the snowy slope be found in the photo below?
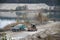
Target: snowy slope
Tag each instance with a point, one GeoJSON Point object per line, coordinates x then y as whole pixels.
{"type": "Point", "coordinates": [3, 23]}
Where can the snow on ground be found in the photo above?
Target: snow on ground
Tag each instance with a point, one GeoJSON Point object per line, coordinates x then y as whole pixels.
{"type": "Point", "coordinates": [43, 31]}
{"type": "Point", "coordinates": [3, 23]}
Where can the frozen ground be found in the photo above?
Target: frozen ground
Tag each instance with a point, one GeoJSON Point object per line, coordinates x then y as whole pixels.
{"type": "Point", "coordinates": [43, 31]}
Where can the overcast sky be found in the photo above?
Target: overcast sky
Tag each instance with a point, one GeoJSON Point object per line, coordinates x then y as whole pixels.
{"type": "Point", "coordinates": [48, 2]}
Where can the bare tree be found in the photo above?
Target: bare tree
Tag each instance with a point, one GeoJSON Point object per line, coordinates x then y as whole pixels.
{"type": "Point", "coordinates": [39, 17]}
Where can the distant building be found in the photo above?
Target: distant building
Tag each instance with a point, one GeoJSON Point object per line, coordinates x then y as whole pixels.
{"type": "Point", "coordinates": [20, 7]}
{"type": "Point", "coordinates": [12, 15]}
{"type": "Point", "coordinates": [55, 15]}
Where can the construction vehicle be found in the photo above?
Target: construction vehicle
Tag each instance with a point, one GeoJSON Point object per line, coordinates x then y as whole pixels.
{"type": "Point", "coordinates": [19, 27]}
